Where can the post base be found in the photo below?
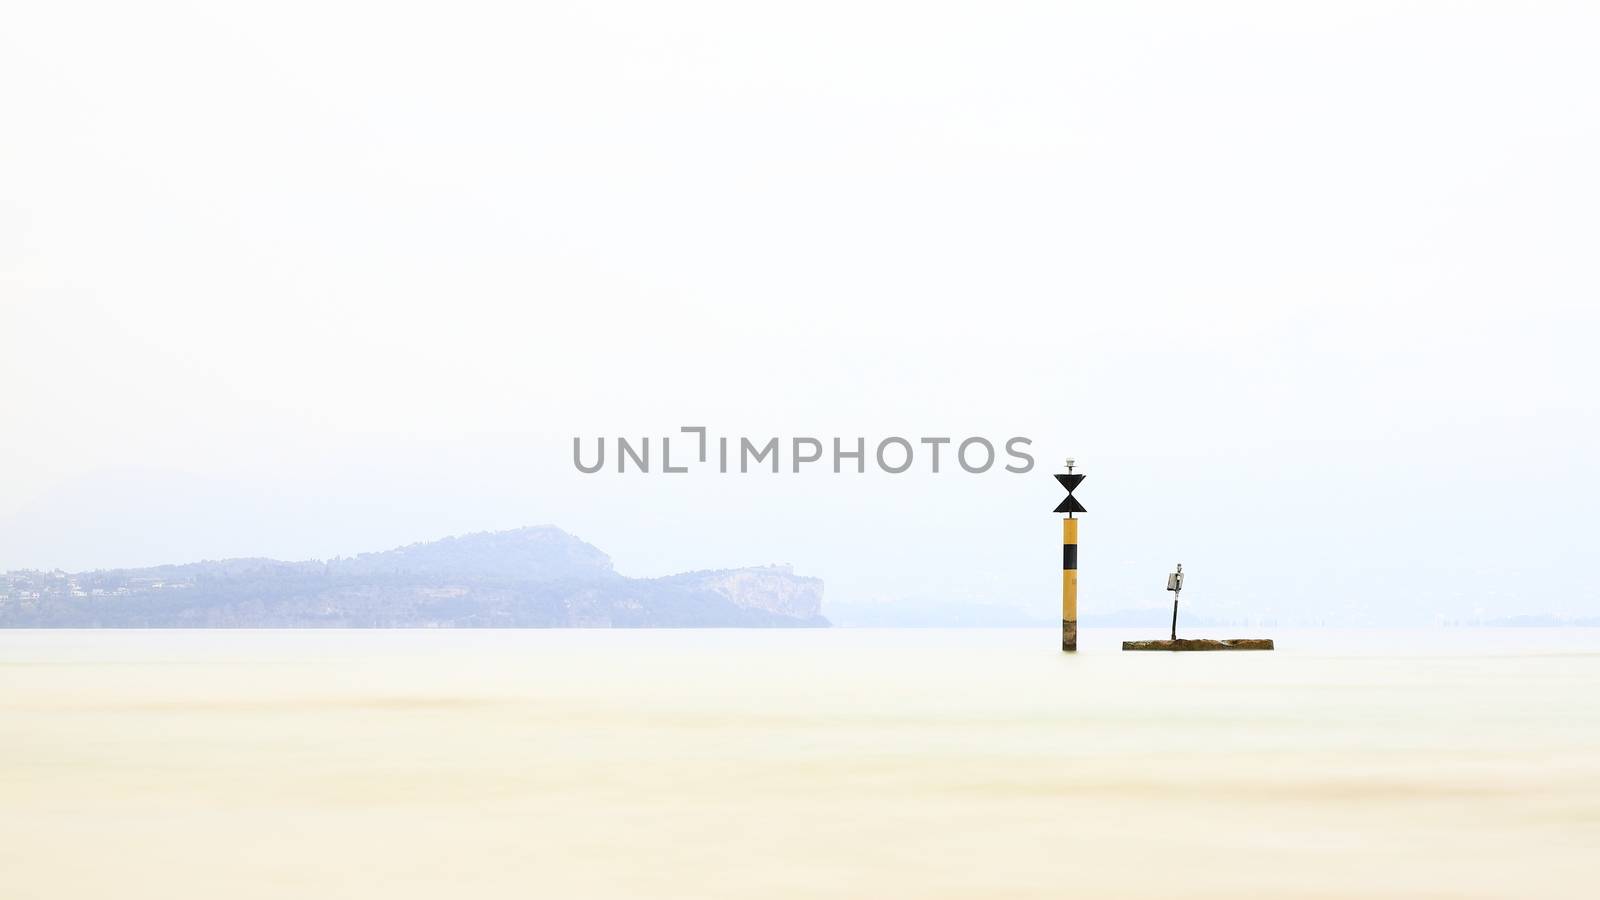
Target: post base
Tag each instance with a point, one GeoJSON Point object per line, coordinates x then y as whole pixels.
{"type": "Point", "coordinates": [1069, 635]}
{"type": "Point", "coordinates": [1200, 644]}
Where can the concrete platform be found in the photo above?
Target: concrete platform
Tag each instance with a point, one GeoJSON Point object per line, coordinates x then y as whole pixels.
{"type": "Point", "coordinates": [1201, 644]}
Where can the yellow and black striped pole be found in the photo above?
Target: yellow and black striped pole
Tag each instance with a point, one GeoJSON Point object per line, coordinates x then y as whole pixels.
{"type": "Point", "coordinates": [1069, 561]}
{"type": "Point", "coordinates": [1069, 584]}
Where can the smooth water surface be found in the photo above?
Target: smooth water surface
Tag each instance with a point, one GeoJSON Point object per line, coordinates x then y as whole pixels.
{"type": "Point", "coordinates": [846, 763]}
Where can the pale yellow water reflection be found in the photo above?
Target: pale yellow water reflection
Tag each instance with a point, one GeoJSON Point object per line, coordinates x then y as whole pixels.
{"type": "Point", "coordinates": [254, 764]}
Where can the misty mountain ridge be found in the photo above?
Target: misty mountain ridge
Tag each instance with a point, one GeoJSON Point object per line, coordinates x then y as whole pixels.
{"type": "Point", "coordinates": [537, 576]}
{"type": "Point", "coordinates": [536, 553]}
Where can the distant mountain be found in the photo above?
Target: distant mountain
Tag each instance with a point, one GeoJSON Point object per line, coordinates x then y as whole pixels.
{"type": "Point", "coordinates": [937, 613]}
{"type": "Point", "coordinates": [933, 612]}
{"type": "Point", "coordinates": [537, 577]}
{"type": "Point", "coordinates": [543, 553]}
{"type": "Point", "coordinates": [1537, 620]}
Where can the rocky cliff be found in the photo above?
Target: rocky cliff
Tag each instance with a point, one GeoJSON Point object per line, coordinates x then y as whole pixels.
{"type": "Point", "coordinates": [774, 589]}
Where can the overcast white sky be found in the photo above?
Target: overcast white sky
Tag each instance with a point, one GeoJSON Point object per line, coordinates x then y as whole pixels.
{"type": "Point", "coordinates": [1310, 289]}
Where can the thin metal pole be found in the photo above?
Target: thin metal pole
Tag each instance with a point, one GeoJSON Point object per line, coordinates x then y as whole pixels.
{"type": "Point", "coordinates": [1175, 613]}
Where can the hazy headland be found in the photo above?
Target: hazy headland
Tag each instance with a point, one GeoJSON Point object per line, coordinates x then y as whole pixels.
{"type": "Point", "coordinates": [539, 577]}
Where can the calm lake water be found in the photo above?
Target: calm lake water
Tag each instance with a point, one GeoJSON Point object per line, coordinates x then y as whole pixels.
{"type": "Point", "coordinates": [842, 763]}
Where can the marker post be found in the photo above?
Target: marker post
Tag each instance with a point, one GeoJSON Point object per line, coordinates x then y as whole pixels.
{"type": "Point", "coordinates": [1175, 585]}
{"type": "Point", "coordinates": [1069, 561]}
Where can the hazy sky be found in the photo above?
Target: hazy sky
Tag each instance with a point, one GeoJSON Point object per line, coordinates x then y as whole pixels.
{"type": "Point", "coordinates": [1309, 289]}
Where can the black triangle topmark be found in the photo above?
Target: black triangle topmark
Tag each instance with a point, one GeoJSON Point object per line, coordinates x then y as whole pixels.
{"type": "Point", "coordinates": [1071, 504]}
